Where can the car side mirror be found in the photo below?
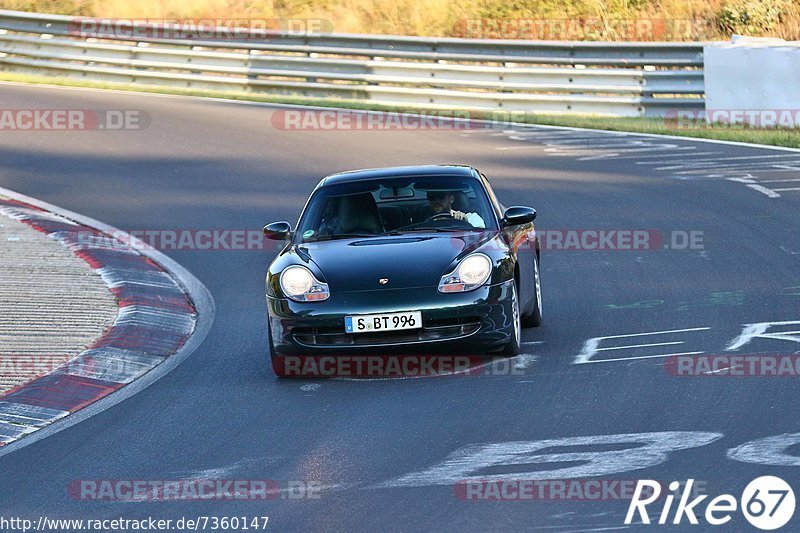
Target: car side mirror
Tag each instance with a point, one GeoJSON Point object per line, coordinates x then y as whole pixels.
{"type": "Point", "coordinates": [278, 231]}
{"type": "Point", "coordinates": [518, 215]}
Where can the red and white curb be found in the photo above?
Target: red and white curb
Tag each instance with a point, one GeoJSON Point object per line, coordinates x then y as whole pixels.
{"type": "Point", "coordinates": [165, 313]}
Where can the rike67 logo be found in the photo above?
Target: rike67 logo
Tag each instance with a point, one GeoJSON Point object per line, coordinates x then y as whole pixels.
{"type": "Point", "coordinates": [767, 503]}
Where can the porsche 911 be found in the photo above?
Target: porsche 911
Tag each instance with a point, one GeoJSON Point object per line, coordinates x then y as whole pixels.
{"type": "Point", "coordinates": [404, 259]}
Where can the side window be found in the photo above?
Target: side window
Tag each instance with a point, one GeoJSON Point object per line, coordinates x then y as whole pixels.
{"type": "Point", "coordinates": [498, 207]}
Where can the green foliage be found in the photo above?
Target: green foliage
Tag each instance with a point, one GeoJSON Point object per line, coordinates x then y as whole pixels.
{"type": "Point", "coordinates": [64, 7]}
{"type": "Point", "coordinates": [751, 17]}
{"type": "Point", "coordinates": [512, 19]}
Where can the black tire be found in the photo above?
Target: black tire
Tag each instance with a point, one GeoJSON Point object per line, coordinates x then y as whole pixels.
{"type": "Point", "coordinates": [513, 346]}
{"type": "Point", "coordinates": [534, 317]}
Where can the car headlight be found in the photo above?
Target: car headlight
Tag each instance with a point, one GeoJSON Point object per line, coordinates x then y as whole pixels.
{"type": "Point", "coordinates": [471, 273]}
{"type": "Point", "coordinates": [300, 285]}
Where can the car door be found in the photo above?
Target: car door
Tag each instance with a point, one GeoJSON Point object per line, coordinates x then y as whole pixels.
{"type": "Point", "coordinates": [521, 242]}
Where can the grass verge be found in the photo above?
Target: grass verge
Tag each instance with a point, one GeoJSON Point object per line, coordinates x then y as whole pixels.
{"type": "Point", "coordinates": [772, 137]}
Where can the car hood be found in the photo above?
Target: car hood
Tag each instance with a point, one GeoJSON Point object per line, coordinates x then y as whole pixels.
{"type": "Point", "coordinates": [406, 261]}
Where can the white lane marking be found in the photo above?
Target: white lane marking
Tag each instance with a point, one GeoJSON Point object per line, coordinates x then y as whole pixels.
{"type": "Point", "coordinates": [653, 333]}
{"type": "Point", "coordinates": [614, 147]}
{"type": "Point", "coordinates": [575, 141]}
{"type": "Point", "coordinates": [718, 166]}
{"type": "Point", "coordinates": [615, 360]}
{"type": "Point", "coordinates": [727, 170]}
{"type": "Point", "coordinates": [750, 182]}
{"type": "Point", "coordinates": [221, 472]}
{"type": "Point", "coordinates": [315, 488]}
{"type": "Point", "coordinates": [467, 464]}
{"type": "Point", "coordinates": [520, 147]}
{"type": "Point", "coordinates": [699, 164]}
{"type": "Point", "coordinates": [524, 360]}
{"type": "Point", "coordinates": [696, 177]}
{"type": "Point", "coordinates": [639, 346]}
{"type": "Point", "coordinates": [790, 252]}
{"type": "Point", "coordinates": [600, 142]}
{"type": "Point", "coordinates": [524, 135]}
{"type": "Point", "coordinates": [561, 138]}
{"type": "Point", "coordinates": [732, 367]}
{"type": "Point", "coordinates": [506, 366]}
{"type": "Point", "coordinates": [759, 330]}
{"type": "Point", "coordinates": [597, 147]}
{"type": "Point", "coordinates": [663, 149]}
{"type": "Point", "coordinates": [769, 192]}
{"type": "Point", "coordinates": [748, 178]}
{"type": "Point", "coordinates": [770, 451]}
{"type": "Point", "coordinates": [715, 161]}
{"type": "Point", "coordinates": [591, 346]}
{"type": "Point", "coordinates": [310, 387]}
{"type": "Point", "coordinates": [722, 168]}
{"type": "Point", "coordinates": [617, 528]}
{"type": "Point", "coordinates": [772, 170]}
{"type": "Point", "coordinates": [664, 156]}
{"type": "Point", "coordinates": [588, 140]}
{"type": "Point", "coordinates": [566, 515]}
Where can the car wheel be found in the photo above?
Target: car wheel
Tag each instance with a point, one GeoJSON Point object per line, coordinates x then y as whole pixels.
{"type": "Point", "coordinates": [513, 346]}
{"type": "Point", "coordinates": [534, 318]}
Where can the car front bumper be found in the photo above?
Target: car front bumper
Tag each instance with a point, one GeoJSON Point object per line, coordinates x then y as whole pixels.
{"type": "Point", "coordinates": [473, 322]}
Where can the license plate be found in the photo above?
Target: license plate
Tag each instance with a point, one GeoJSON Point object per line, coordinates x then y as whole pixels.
{"type": "Point", "coordinates": [387, 322]}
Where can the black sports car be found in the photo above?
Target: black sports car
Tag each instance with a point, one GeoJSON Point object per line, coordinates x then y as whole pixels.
{"type": "Point", "coordinates": [407, 258]}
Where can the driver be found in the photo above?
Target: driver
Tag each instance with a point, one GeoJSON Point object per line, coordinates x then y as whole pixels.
{"type": "Point", "coordinates": [441, 202]}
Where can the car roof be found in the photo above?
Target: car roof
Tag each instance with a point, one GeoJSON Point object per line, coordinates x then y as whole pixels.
{"type": "Point", "coordinates": [443, 171]}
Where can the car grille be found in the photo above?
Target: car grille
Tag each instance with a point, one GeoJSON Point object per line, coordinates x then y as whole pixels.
{"type": "Point", "coordinates": [433, 330]}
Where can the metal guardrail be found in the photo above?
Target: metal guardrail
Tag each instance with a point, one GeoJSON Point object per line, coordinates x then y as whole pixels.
{"type": "Point", "coordinates": [623, 79]}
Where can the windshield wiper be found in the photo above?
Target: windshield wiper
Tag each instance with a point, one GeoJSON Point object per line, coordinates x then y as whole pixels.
{"type": "Point", "coordinates": [342, 236]}
{"type": "Point", "coordinates": [433, 230]}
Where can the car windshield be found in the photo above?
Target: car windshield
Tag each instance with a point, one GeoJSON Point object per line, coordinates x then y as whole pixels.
{"type": "Point", "coordinates": [394, 206]}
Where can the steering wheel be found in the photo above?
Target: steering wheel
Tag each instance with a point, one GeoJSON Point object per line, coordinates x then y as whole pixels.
{"type": "Point", "coordinates": [439, 216]}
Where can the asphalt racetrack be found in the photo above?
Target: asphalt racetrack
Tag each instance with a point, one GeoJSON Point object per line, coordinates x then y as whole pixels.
{"type": "Point", "coordinates": [591, 399]}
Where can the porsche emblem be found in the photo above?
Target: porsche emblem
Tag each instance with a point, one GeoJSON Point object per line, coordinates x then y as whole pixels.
{"type": "Point", "coordinates": [383, 281]}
